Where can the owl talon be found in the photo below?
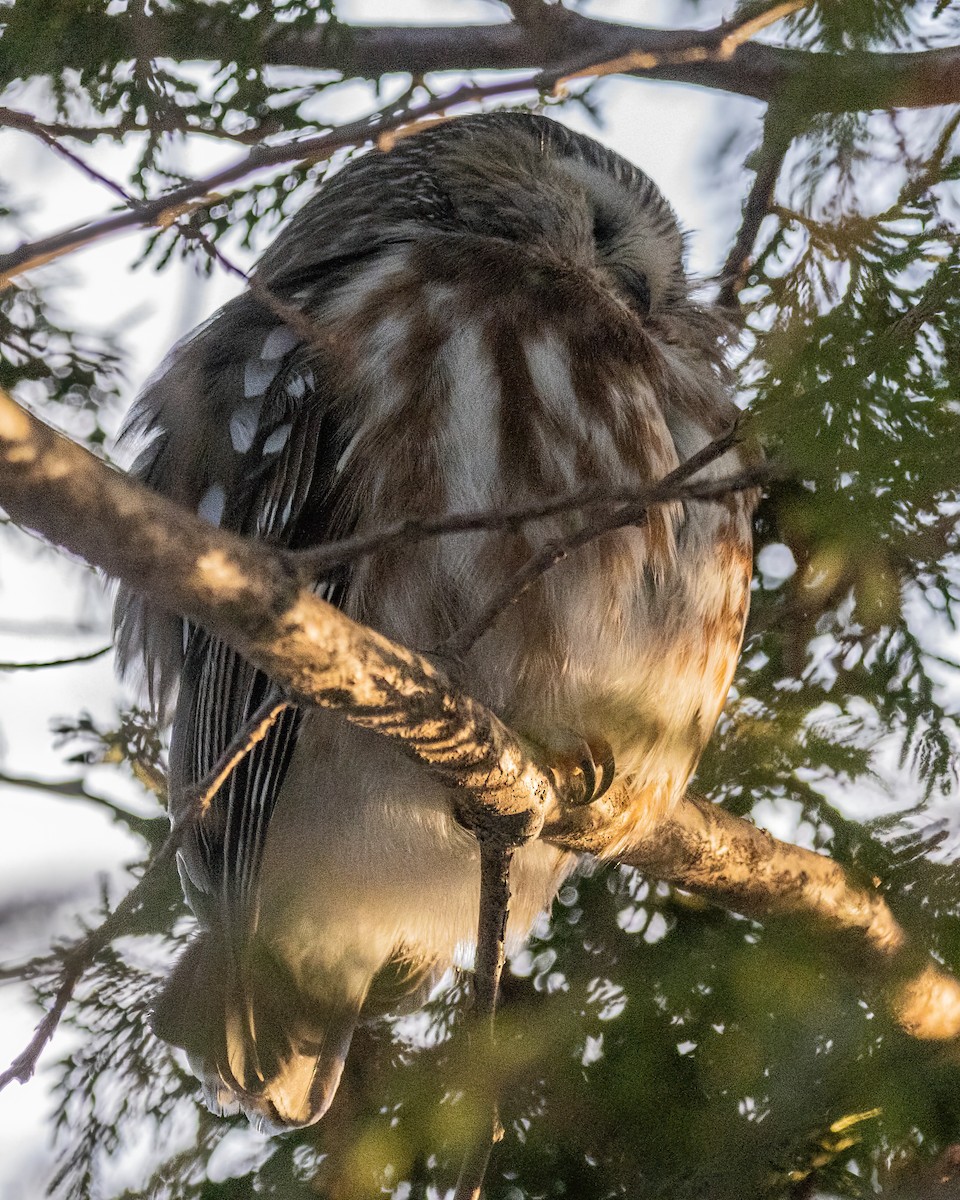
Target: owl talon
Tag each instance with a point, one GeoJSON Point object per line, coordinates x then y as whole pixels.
{"type": "Point", "coordinates": [592, 760]}
{"type": "Point", "coordinates": [601, 753]}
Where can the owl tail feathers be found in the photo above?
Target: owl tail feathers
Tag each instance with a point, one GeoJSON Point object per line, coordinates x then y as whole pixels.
{"type": "Point", "coordinates": [253, 1039]}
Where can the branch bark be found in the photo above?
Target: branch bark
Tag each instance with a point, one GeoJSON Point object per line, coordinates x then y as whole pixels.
{"type": "Point", "coordinates": [816, 81]}
{"type": "Point", "coordinates": [251, 596]}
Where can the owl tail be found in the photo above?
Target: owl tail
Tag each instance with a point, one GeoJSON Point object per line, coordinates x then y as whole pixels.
{"type": "Point", "coordinates": [252, 1037]}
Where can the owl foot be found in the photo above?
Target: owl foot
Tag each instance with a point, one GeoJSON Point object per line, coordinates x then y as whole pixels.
{"type": "Point", "coordinates": [592, 761]}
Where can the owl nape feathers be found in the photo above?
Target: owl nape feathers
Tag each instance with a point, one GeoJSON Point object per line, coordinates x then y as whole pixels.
{"type": "Point", "coordinates": [501, 315]}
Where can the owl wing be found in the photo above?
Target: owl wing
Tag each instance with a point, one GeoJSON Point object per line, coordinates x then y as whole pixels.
{"type": "Point", "coordinates": [241, 427]}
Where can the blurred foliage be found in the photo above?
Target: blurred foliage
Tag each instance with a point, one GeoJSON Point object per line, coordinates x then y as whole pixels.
{"type": "Point", "coordinates": [650, 1046]}
{"type": "Point", "coordinates": [44, 357]}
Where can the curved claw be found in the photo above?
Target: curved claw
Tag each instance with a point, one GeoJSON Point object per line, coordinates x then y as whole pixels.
{"type": "Point", "coordinates": [601, 753]}
{"type": "Point", "coordinates": [591, 759]}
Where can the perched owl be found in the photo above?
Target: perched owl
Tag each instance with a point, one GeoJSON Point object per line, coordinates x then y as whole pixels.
{"type": "Point", "coordinates": [493, 312]}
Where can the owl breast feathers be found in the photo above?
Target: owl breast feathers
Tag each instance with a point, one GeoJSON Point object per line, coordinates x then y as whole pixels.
{"type": "Point", "coordinates": [492, 313]}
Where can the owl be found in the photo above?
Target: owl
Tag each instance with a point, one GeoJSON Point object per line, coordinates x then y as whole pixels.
{"type": "Point", "coordinates": [493, 312]}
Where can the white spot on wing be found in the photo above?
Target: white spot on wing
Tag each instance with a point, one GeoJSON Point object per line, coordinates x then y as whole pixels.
{"type": "Point", "coordinates": [257, 377]}
{"type": "Point", "coordinates": [278, 439]}
{"type": "Point", "coordinates": [211, 504]}
{"type": "Point", "coordinates": [243, 425]}
{"type": "Point", "coordinates": [296, 386]}
{"type": "Point", "coordinates": [347, 453]}
{"type": "Point", "coordinates": [278, 342]}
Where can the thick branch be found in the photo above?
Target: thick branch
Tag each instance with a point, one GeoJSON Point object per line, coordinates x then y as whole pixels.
{"type": "Point", "coordinates": [248, 595]}
{"type": "Point", "coordinates": [816, 82]}
{"type": "Point", "coordinates": [731, 862]}
{"type": "Point", "coordinates": [577, 46]}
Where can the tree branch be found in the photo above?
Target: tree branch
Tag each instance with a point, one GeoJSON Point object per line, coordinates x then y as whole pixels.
{"type": "Point", "coordinates": [76, 959]}
{"type": "Point", "coordinates": [77, 788]}
{"type": "Point", "coordinates": [729, 861]}
{"type": "Point", "coordinates": [495, 857]}
{"type": "Point", "coordinates": [55, 662]}
{"type": "Point", "coordinates": [13, 119]}
{"type": "Point", "coordinates": [809, 82]}
{"type": "Point", "coordinates": [315, 561]}
{"type": "Point", "coordinates": [816, 81]}
{"type": "Point", "coordinates": [778, 130]}
{"type": "Point", "coordinates": [250, 596]}
{"type": "Point", "coordinates": [673, 487]}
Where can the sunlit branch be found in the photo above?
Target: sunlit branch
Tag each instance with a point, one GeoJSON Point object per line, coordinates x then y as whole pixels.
{"type": "Point", "coordinates": [729, 861]}
{"type": "Point", "coordinates": [250, 596]}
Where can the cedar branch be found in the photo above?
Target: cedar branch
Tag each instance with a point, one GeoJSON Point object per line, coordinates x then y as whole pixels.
{"type": "Point", "coordinates": [816, 81]}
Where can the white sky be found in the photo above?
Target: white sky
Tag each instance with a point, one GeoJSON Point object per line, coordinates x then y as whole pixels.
{"type": "Point", "coordinates": [63, 846]}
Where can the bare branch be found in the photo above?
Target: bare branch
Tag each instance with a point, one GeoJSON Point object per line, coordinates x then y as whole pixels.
{"type": "Point", "coordinates": [253, 731]}
{"type": "Point", "coordinates": [729, 861]}
{"type": "Point", "coordinates": [55, 662]}
{"type": "Point", "coordinates": [145, 827]}
{"type": "Point", "coordinates": [169, 122]}
{"type": "Point", "coordinates": [316, 560]}
{"type": "Point", "coordinates": [778, 130]}
{"type": "Point", "coordinates": [715, 45]}
{"type": "Point", "coordinates": [13, 119]}
{"type": "Point", "coordinates": [76, 960]}
{"type": "Point", "coordinates": [816, 81]}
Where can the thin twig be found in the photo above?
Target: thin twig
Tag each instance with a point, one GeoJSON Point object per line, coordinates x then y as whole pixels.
{"type": "Point", "coordinates": [55, 662]}
{"type": "Point", "coordinates": [14, 119]}
{"type": "Point", "coordinates": [169, 207]}
{"type": "Point", "coordinates": [777, 135]}
{"type": "Point", "coordinates": [77, 789]}
{"type": "Point", "coordinates": [316, 560]}
{"type": "Point", "coordinates": [253, 730]}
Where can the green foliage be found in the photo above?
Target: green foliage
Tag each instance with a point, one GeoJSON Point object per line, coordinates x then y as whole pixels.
{"type": "Point", "coordinates": [649, 1046]}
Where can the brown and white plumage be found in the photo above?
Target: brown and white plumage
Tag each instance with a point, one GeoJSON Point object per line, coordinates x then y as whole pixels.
{"type": "Point", "coordinates": [501, 315]}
